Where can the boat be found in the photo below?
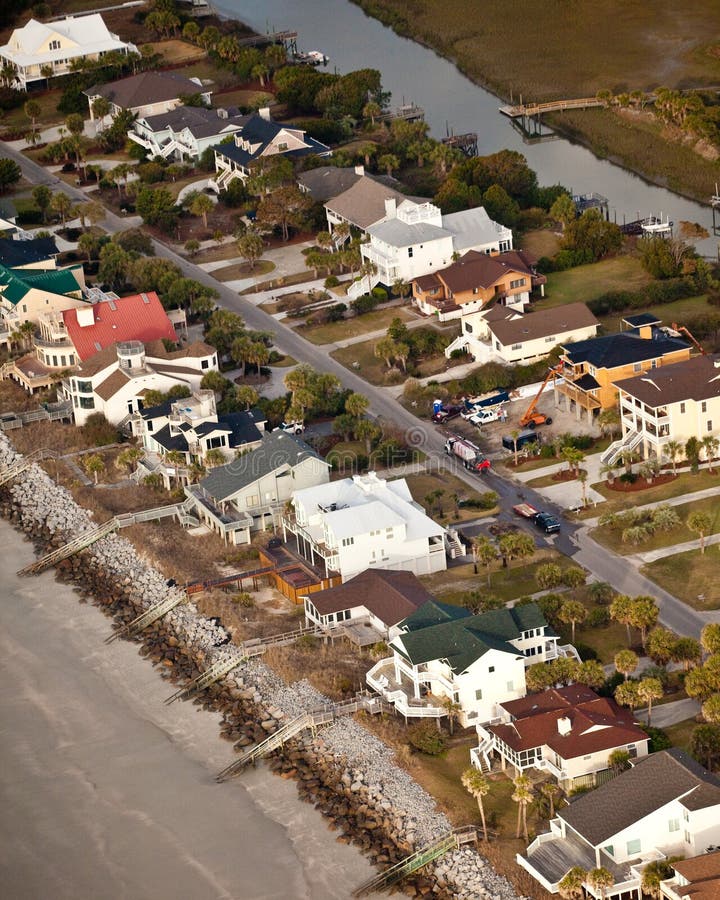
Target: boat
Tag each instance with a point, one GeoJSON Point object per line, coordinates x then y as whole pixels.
{"type": "Point", "coordinates": [312, 58]}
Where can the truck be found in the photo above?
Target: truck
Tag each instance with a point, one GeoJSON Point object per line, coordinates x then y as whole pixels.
{"type": "Point", "coordinates": [542, 520]}
{"type": "Point", "coordinates": [485, 416]}
{"type": "Point", "coordinates": [445, 413]}
{"type": "Point", "coordinates": [526, 510]}
{"type": "Point", "coordinates": [470, 455]}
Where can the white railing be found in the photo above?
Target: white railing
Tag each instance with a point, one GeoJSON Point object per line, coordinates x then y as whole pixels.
{"type": "Point", "coordinates": [631, 440]}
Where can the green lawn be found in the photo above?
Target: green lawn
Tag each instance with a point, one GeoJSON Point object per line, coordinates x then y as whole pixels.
{"type": "Point", "coordinates": [689, 576]}
{"type": "Point", "coordinates": [668, 313]}
{"type": "Point", "coordinates": [49, 115]}
{"type": "Point", "coordinates": [243, 270]}
{"type": "Point", "coordinates": [686, 483]}
{"type": "Point", "coordinates": [613, 539]}
{"type": "Point", "coordinates": [620, 273]}
{"type": "Point", "coordinates": [378, 320]}
{"type": "Point", "coordinates": [540, 242]}
{"type": "Point", "coordinates": [680, 733]}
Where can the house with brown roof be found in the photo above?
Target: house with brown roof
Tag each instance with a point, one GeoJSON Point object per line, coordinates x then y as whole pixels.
{"type": "Point", "coordinates": [569, 732]}
{"type": "Point", "coordinates": [147, 94]}
{"type": "Point", "coordinates": [694, 879]}
{"type": "Point", "coordinates": [362, 204]}
{"type": "Point", "coordinates": [665, 804]}
{"type": "Point", "coordinates": [377, 598]}
{"type": "Point", "coordinates": [673, 403]}
{"type": "Point", "coordinates": [510, 336]}
{"type": "Point", "coordinates": [475, 281]}
{"type": "Point", "coordinates": [115, 380]}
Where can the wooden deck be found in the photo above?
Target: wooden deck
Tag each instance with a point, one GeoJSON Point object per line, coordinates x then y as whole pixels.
{"type": "Point", "coordinates": [536, 109]}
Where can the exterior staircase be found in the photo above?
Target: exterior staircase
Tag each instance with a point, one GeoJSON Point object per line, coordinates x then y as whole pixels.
{"type": "Point", "coordinates": [626, 444]}
{"type": "Point", "coordinates": [454, 547]}
{"type": "Point", "coordinates": [363, 286]}
{"type": "Point", "coordinates": [20, 465]}
{"type": "Point", "coordinates": [155, 612]}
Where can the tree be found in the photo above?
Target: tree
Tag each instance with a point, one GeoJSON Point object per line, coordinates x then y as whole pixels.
{"type": "Point", "coordinates": [650, 689]}
{"type": "Point", "coordinates": [89, 244]}
{"type": "Point", "coordinates": [571, 886]}
{"type": "Point", "coordinates": [386, 348]}
{"type": "Point", "coordinates": [572, 612]}
{"type": "Point", "coordinates": [250, 247]}
{"type": "Point", "coordinates": [550, 791]}
{"type": "Point", "coordinates": [356, 405]}
{"type": "Point", "coordinates": [563, 210]}
{"type": "Point", "coordinates": [548, 575]}
{"type": "Point", "coordinates": [100, 108]}
{"type": "Point", "coordinates": [500, 206]}
{"type": "Point", "coordinates": [626, 661]}
{"type": "Point", "coordinates": [192, 247]}
{"type": "Point", "coordinates": [710, 445]}
{"type": "Point", "coordinates": [367, 431]}
{"type": "Point", "coordinates": [672, 450]}
{"type": "Point", "coordinates": [591, 236]}
{"type": "Point", "coordinates": [619, 761]}
{"type": "Point", "coordinates": [201, 205]}
{"type": "Point", "coordinates": [591, 673]}
{"type": "Point", "coordinates": [10, 174]}
{"type": "Point", "coordinates": [710, 637]}
{"type": "Point", "coordinates": [371, 111]}
{"type": "Point", "coordinates": [156, 206]}
{"type": "Point", "coordinates": [686, 650]}
{"type": "Point", "coordinates": [700, 683]}
{"type": "Point", "coordinates": [659, 646]}
{"type": "Point", "coordinates": [705, 745]}
{"type": "Point", "coordinates": [452, 708]}
{"type": "Point", "coordinates": [621, 611]}
{"type": "Point", "coordinates": [627, 694]}
{"type": "Point", "coordinates": [114, 266]}
{"type": "Point", "coordinates": [477, 785]}
{"type": "Point", "coordinates": [600, 879]}
{"type": "Point", "coordinates": [515, 546]}
{"type": "Point", "coordinates": [644, 614]}
{"type": "Point", "coordinates": [75, 124]}
{"type": "Point", "coordinates": [42, 195]}
{"type": "Point", "coordinates": [692, 452]}
{"type": "Point", "coordinates": [215, 457]}
{"type": "Point", "coordinates": [286, 206]}
{"type": "Point", "coordinates": [522, 795]}
{"type": "Point", "coordinates": [483, 551]}
{"type": "Point", "coordinates": [62, 205]}
{"type": "Point", "coordinates": [127, 459]}
{"type": "Point", "coordinates": [389, 162]}
{"type": "Point", "coordinates": [91, 211]}
{"type": "Point", "coordinates": [93, 465]}
{"type": "Point", "coordinates": [711, 709]}
{"type": "Point", "coordinates": [515, 434]}
{"type": "Point", "coordinates": [574, 577]}
{"type": "Point", "coordinates": [246, 395]}
{"type": "Point", "coordinates": [700, 523]}
{"type": "Point", "coordinates": [33, 111]}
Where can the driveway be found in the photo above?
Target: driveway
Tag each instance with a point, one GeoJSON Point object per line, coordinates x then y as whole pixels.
{"type": "Point", "coordinates": [671, 713]}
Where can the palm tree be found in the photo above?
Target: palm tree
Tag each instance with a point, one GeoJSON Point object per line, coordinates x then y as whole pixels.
{"type": "Point", "coordinates": [701, 523]}
{"type": "Point", "coordinates": [476, 784]}
{"type": "Point", "coordinates": [62, 205]}
{"type": "Point", "coordinates": [452, 708]}
{"type": "Point", "coordinates": [551, 791]}
{"type": "Point", "coordinates": [673, 449]}
{"type": "Point", "coordinates": [33, 111]}
{"type": "Point", "coordinates": [710, 445]}
{"type": "Point", "coordinates": [572, 612]}
{"type": "Point", "coordinates": [626, 694]}
{"type": "Point", "coordinates": [94, 465]}
{"type": "Point", "coordinates": [389, 162]}
{"type": "Point", "coordinates": [650, 689]}
{"type": "Point", "coordinates": [600, 879]}
{"type": "Point", "coordinates": [626, 661]}
{"type": "Point", "coordinates": [201, 206]}
{"type": "Point", "coordinates": [522, 795]}
{"type": "Point", "coordinates": [215, 457]}
{"type": "Point", "coordinates": [571, 886]}
{"type": "Point", "coordinates": [515, 435]}
{"type": "Point", "coordinates": [371, 111]}
{"type": "Point", "coordinates": [128, 458]}
{"type": "Point", "coordinates": [175, 459]}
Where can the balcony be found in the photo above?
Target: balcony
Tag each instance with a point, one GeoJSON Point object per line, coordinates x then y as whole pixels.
{"type": "Point", "coordinates": [381, 678]}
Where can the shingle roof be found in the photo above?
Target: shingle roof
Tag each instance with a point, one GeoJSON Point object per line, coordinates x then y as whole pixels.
{"type": "Point", "coordinates": [402, 234]}
{"type": "Point", "coordinates": [260, 131]}
{"type": "Point", "coordinates": [278, 449]}
{"type": "Point", "coordinates": [434, 613]}
{"type": "Point", "coordinates": [24, 253]}
{"type": "Point", "coordinates": [614, 350]}
{"type": "Point", "coordinates": [112, 384]}
{"type": "Point", "coordinates": [140, 317]}
{"type": "Point", "coordinates": [389, 595]}
{"type": "Point", "coordinates": [556, 321]}
{"type": "Point", "coordinates": [363, 204]}
{"type": "Point", "coordinates": [641, 319]}
{"type": "Point", "coordinates": [651, 783]}
{"type": "Point", "coordinates": [146, 88]}
{"type": "Point", "coordinates": [326, 182]}
{"type": "Point", "coordinates": [702, 874]}
{"type": "Point", "coordinates": [694, 379]}
{"type": "Point", "coordinates": [476, 269]}
{"type": "Point", "coordinates": [463, 639]}
{"type": "Point", "coordinates": [198, 120]}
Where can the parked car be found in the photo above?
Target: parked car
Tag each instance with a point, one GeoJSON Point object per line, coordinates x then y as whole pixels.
{"type": "Point", "coordinates": [291, 427]}
{"type": "Point", "coordinates": [547, 523]}
{"type": "Point", "coordinates": [524, 438]}
{"type": "Point", "coordinates": [447, 413]}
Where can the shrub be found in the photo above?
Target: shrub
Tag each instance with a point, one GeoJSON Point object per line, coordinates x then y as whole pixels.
{"type": "Point", "coordinates": [457, 353]}
{"type": "Point", "coordinates": [586, 652]}
{"type": "Point", "coordinates": [380, 294]}
{"type": "Point", "coordinates": [244, 599]}
{"type": "Point", "coordinates": [658, 739]}
{"type": "Point", "coordinates": [332, 281]}
{"type": "Point", "coordinates": [598, 618]}
{"type": "Point", "coordinates": [98, 431]}
{"type": "Point", "coordinates": [364, 304]}
{"type": "Point", "coordinates": [425, 738]}
{"type": "Point", "coordinates": [628, 477]}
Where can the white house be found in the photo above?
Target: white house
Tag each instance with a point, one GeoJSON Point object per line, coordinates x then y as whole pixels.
{"type": "Point", "coordinates": [376, 598]}
{"type": "Point", "coordinates": [569, 732]}
{"type": "Point", "coordinates": [364, 521]}
{"type": "Point", "coordinates": [666, 804]}
{"type": "Point", "coordinates": [415, 239]}
{"type": "Point", "coordinates": [250, 493]}
{"type": "Point", "coordinates": [260, 137]}
{"type": "Point", "coordinates": [694, 879]}
{"type": "Point", "coordinates": [184, 133]}
{"type": "Point", "coordinates": [671, 403]}
{"type": "Point", "coordinates": [147, 93]}
{"type": "Point", "coordinates": [42, 50]}
{"type": "Point", "coordinates": [444, 652]}
{"type": "Point", "coordinates": [115, 380]}
{"type": "Point", "coordinates": [511, 336]}
{"type": "Point", "coordinates": [361, 203]}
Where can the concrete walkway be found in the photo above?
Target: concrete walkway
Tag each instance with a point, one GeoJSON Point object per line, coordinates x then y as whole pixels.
{"type": "Point", "coordinates": [592, 465]}
{"type": "Point", "coordinates": [671, 501]}
{"type": "Point", "coordinates": [670, 713]}
{"type": "Point", "coordinates": [651, 555]}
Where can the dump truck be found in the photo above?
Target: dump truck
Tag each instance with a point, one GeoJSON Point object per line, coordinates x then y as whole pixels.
{"type": "Point", "coordinates": [470, 455]}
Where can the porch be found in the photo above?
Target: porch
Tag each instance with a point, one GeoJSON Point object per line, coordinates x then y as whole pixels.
{"type": "Point", "coordinates": [383, 678]}
{"type": "Point", "coordinates": [578, 396]}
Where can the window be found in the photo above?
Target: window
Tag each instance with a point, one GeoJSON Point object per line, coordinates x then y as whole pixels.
{"type": "Point", "coordinates": [519, 282]}
{"type": "Point", "coordinates": [589, 756]}
{"type": "Point", "coordinates": [687, 837]}
{"type": "Point", "coordinates": [468, 328]}
{"type": "Point", "coordinates": [703, 406]}
{"type": "Point", "coordinates": [633, 847]}
{"type": "Point", "coordinates": [653, 364]}
{"type": "Point", "coordinates": [610, 850]}
{"type": "Point", "coordinates": [674, 825]}
{"type": "Point", "coordinates": [637, 367]}
{"type": "Point", "coordinates": [410, 251]}
{"type": "Point", "coordinates": [491, 669]}
{"type": "Point", "coordinates": [282, 146]}
{"type": "Point", "coordinates": [516, 347]}
{"type": "Point", "coordinates": [348, 542]}
{"type": "Point", "coordinates": [478, 695]}
{"type": "Point", "coordinates": [388, 533]}
{"type": "Point", "coordinates": [54, 45]}
{"type": "Point", "coordinates": [87, 403]}
{"type": "Point", "coordinates": [682, 407]}
{"type": "Point", "coordinates": [709, 424]}
{"type": "Point", "coordinates": [476, 290]}
{"type": "Point", "coordinates": [84, 387]}
{"type": "Point", "coordinates": [550, 339]}
{"type": "Point", "coordinates": [510, 686]}
{"type": "Point", "coordinates": [686, 815]}
{"type": "Point", "coordinates": [205, 364]}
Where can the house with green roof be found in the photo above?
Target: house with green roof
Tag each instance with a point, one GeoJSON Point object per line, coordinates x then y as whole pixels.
{"type": "Point", "coordinates": [27, 294]}
{"type": "Point", "coordinates": [444, 653]}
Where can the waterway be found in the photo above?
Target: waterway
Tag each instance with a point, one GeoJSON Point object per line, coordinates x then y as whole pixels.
{"type": "Point", "coordinates": [108, 793]}
{"type": "Point", "coordinates": [353, 40]}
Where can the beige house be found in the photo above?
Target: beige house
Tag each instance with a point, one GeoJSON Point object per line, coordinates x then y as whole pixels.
{"type": "Point", "coordinates": [672, 403]}
{"type": "Point", "coordinates": [148, 93]}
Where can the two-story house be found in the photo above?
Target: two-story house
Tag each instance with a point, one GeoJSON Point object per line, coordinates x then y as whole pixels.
{"type": "Point", "coordinates": [475, 281]}
{"type": "Point", "coordinates": [415, 239]}
{"type": "Point", "coordinates": [147, 94]}
{"type": "Point", "coordinates": [673, 403]}
{"type": "Point", "coordinates": [33, 253]}
{"type": "Point", "coordinates": [249, 494]}
{"type": "Point", "coordinates": [665, 804]}
{"type": "Point", "coordinates": [478, 662]}
{"type": "Point", "coordinates": [694, 879]}
{"type": "Point", "coordinates": [358, 523]}
{"type": "Point", "coordinates": [363, 202]}
{"type": "Point", "coordinates": [592, 368]}
{"type": "Point", "coordinates": [259, 137]}
{"type": "Point", "coordinates": [569, 732]}
{"type": "Point", "coordinates": [42, 50]}
{"type": "Point", "coordinates": [184, 133]}
{"type": "Point", "coordinates": [506, 335]}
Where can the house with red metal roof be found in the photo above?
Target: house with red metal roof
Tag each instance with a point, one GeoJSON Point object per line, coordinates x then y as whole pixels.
{"type": "Point", "coordinates": [569, 732]}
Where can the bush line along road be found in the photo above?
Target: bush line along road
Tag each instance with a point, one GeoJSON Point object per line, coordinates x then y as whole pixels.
{"type": "Point", "coordinates": [573, 541]}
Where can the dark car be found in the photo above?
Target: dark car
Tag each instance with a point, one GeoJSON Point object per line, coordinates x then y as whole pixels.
{"type": "Point", "coordinates": [547, 523]}
{"type": "Point", "coordinates": [447, 413]}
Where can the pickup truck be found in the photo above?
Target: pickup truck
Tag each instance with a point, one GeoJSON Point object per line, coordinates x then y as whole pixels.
{"type": "Point", "coordinates": [485, 416]}
{"type": "Point", "coordinates": [542, 520]}
{"type": "Point", "coordinates": [446, 413]}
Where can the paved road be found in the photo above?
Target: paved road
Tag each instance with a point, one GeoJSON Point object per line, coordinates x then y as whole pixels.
{"type": "Point", "coordinates": [573, 540]}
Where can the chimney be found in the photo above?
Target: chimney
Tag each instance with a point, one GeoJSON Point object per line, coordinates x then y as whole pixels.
{"type": "Point", "coordinates": [264, 113]}
{"type": "Point", "coordinates": [390, 208]}
{"type": "Point", "coordinates": [359, 170]}
{"type": "Point", "coordinates": [564, 726]}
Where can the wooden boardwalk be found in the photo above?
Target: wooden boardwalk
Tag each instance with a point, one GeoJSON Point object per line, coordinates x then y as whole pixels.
{"type": "Point", "coordinates": [523, 110]}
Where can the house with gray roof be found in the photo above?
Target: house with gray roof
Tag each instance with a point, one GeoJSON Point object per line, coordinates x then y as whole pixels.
{"type": "Point", "coordinates": [185, 132]}
{"type": "Point", "coordinates": [248, 494]}
{"type": "Point", "coordinates": [666, 804]}
{"type": "Point", "coordinates": [147, 93]}
{"type": "Point", "coordinates": [443, 652]}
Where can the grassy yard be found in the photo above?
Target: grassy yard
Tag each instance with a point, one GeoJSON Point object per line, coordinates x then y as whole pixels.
{"type": "Point", "coordinates": [177, 51]}
{"type": "Point", "coordinates": [668, 313]}
{"type": "Point", "coordinates": [613, 539]}
{"type": "Point", "coordinates": [444, 509]}
{"type": "Point", "coordinates": [689, 576]}
{"type": "Point", "coordinates": [619, 273]}
{"type": "Point", "coordinates": [680, 733]}
{"type": "Point", "coordinates": [378, 320]}
{"type": "Point", "coordinates": [49, 115]}
{"type": "Point", "coordinates": [206, 70]}
{"type": "Point", "coordinates": [243, 270]}
{"type": "Point", "coordinates": [284, 363]}
{"type": "Point", "coordinates": [361, 358]}
{"type": "Point", "coordinates": [685, 483]}
{"type": "Point", "coordinates": [540, 242]}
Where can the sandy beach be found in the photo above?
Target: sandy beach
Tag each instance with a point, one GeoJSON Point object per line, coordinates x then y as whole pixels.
{"type": "Point", "coordinates": [110, 795]}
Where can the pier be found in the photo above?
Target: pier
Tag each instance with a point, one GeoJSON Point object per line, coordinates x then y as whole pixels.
{"type": "Point", "coordinates": [529, 110]}
{"type": "Point", "coordinates": [467, 144]}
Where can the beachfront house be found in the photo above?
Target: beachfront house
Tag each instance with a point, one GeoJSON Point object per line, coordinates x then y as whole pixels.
{"type": "Point", "coordinates": [568, 732]}
{"type": "Point", "coordinates": [444, 653]}
{"type": "Point", "coordinates": [358, 523]}
{"type": "Point", "coordinates": [694, 879]}
{"type": "Point", "coordinates": [39, 51]}
{"type": "Point", "coordinates": [665, 804]}
{"type": "Point", "coordinates": [148, 93]}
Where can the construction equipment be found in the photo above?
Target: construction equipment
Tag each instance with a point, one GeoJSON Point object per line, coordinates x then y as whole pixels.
{"type": "Point", "coordinates": [681, 329]}
{"type": "Point", "coordinates": [531, 418]}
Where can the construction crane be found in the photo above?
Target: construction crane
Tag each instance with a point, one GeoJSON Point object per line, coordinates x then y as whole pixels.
{"type": "Point", "coordinates": [530, 418]}
{"type": "Point", "coordinates": [681, 329]}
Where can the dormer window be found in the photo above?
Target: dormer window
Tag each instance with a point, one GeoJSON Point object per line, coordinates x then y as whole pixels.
{"type": "Point", "coordinates": [55, 45]}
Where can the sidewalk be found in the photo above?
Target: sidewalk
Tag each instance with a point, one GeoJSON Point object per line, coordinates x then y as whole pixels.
{"type": "Point", "coordinates": [670, 713]}
{"type": "Point", "coordinates": [649, 556]}
{"type": "Point", "coordinates": [672, 501]}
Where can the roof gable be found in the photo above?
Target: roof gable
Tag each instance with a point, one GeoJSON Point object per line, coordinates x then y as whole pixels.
{"type": "Point", "coordinates": [389, 595]}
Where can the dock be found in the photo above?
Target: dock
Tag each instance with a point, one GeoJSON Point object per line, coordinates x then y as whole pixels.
{"type": "Point", "coordinates": [525, 110]}
{"type": "Point", "coordinates": [410, 112]}
{"type": "Point", "coordinates": [467, 144]}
